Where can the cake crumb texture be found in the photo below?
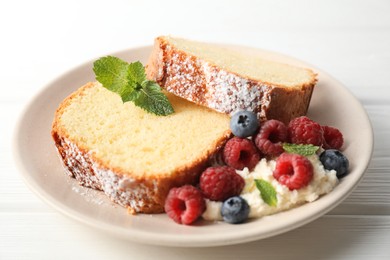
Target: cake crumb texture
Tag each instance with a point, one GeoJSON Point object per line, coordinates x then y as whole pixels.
{"type": "Point", "coordinates": [133, 156]}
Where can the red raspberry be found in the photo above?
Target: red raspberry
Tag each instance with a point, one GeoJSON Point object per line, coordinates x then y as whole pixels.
{"type": "Point", "coordinates": [185, 204]}
{"type": "Point", "coordinates": [293, 170]}
{"type": "Point", "coordinates": [240, 153]}
{"type": "Point", "coordinates": [270, 137]}
{"type": "Point", "coordinates": [333, 138]}
{"type": "Point", "coordinates": [302, 130]}
{"type": "Point", "coordinates": [220, 183]}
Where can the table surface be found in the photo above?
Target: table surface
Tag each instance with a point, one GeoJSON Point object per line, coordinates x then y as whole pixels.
{"type": "Point", "coordinates": [348, 39]}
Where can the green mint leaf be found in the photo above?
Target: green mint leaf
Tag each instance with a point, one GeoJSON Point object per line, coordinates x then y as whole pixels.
{"type": "Point", "coordinates": [129, 81]}
{"type": "Point", "coordinates": [112, 73]}
{"type": "Point", "coordinates": [267, 192]}
{"type": "Point", "coordinates": [129, 94]}
{"type": "Point", "coordinates": [302, 149]}
{"type": "Point", "coordinates": [153, 100]}
{"type": "Point", "coordinates": [136, 72]}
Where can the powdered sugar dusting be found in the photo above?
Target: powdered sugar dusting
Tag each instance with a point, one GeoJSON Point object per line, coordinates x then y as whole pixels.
{"type": "Point", "coordinates": [185, 77]}
{"type": "Point", "coordinates": [121, 189]}
{"type": "Point", "coordinates": [77, 164]}
{"type": "Point", "coordinates": [206, 84]}
{"type": "Point", "coordinates": [230, 93]}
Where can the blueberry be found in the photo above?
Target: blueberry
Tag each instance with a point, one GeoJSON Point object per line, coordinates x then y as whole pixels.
{"type": "Point", "coordinates": [244, 124]}
{"type": "Point", "coordinates": [334, 160]}
{"type": "Point", "coordinates": [235, 210]}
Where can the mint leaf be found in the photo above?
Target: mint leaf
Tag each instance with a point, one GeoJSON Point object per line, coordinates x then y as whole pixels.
{"type": "Point", "coordinates": [267, 192]}
{"type": "Point", "coordinates": [302, 149]}
{"type": "Point", "coordinates": [136, 72]}
{"type": "Point", "coordinates": [130, 83]}
{"type": "Point", "coordinates": [112, 73]}
{"type": "Point", "coordinates": [129, 94]}
{"type": "Point", "coordinates": [153, 100]}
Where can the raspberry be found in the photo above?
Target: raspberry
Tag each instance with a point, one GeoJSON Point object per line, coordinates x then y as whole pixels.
{"type": "Point", "coordinates": [333, 138]}
{"type": "Point", "coordinates": [270, 137]}
{"type": "Point", "coordinates": [293, 170]}
{"type": "Point", "coordinates": [302, 130]}
{"type": "Point", "coordinates": [221, 182]}
{"type": "Point", "coordinates": [184, 204]}
{"type": "Point", "coordinates": [240, 153]}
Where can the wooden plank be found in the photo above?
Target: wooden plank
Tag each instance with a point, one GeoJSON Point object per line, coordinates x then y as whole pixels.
{"type": "Point", "coordinates": [341, 237]}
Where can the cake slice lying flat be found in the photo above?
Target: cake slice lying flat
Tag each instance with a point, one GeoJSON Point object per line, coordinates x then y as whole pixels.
{"type": "Point", "coordinates": [228, 81]}
{"type": "Point", "coordinates": [133, 156]}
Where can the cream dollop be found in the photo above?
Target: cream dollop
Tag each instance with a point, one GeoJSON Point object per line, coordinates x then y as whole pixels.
{"type": "Point", "coordinates": [322, 183]}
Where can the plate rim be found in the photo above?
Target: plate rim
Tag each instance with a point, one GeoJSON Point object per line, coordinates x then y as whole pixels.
{"type": "Point", "coordinates": [167, 240]}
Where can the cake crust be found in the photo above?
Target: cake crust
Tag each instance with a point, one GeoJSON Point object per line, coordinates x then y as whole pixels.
{"type": "Point", "coordinates": [207, 84]}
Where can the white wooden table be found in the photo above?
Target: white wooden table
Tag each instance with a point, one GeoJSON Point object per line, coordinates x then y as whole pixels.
{"type": "Point", "coordinates": [349, 39]}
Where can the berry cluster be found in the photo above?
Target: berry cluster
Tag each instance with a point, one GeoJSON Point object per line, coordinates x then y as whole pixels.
{"type": "Point", "coordinates": [252, 141]}
{"type": "Point", "coordinates": [219, 183]}
{"type": "Point", "coordinates": [302, 130]}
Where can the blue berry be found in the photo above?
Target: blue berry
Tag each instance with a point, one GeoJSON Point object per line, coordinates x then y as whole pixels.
{"type": "Point", "coordinates": [244, 124]}
{"type": "Point", "coordinates": [235, 210]}
{"type": "Point", "coordinates": [334, 160]}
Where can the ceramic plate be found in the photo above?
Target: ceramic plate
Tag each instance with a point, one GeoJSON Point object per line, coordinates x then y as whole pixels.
{"type": "Point", "coordinates": [332, 104]}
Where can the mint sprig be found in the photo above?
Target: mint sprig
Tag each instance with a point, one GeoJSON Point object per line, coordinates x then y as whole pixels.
{"type": "Point", "coordinates": [129, 81]}
{"type": "Point", "coordinates": [302, 149]}
{"type": "Point", "coordinates": [267, 192]}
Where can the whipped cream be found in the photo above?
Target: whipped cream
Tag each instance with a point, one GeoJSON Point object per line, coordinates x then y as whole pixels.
{"type": "Point", "coordinates": [322, 183]}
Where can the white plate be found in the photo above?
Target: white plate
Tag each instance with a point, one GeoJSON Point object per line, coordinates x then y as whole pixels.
{"type": "Point", "coordinates": [332, 104]}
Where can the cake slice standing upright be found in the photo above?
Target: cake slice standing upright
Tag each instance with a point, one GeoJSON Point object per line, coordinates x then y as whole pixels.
{"type": "Point", "coordinates": [227, 80]}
